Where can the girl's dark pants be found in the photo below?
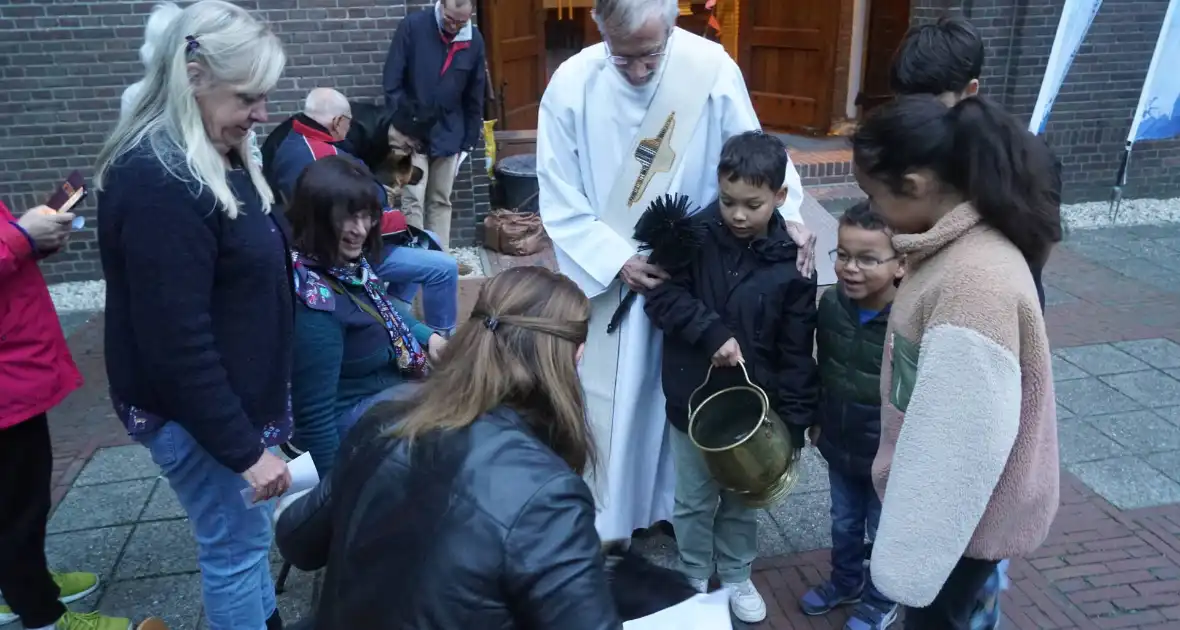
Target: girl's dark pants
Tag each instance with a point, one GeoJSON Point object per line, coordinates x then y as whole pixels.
{"type": "Point", "coordinates": [954, 604]}
{"type": "Point", "coordinates": [26, 472]}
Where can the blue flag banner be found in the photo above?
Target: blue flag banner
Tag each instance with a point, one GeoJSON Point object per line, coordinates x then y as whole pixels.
{"type": "Point", "coordinates": [1076, 18]}
{"type": "Point", "coordinates": [1158, 115]}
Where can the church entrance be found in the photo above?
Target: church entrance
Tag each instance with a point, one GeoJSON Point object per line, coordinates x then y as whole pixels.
{"type": "Point", "coordinates": [809, 64]}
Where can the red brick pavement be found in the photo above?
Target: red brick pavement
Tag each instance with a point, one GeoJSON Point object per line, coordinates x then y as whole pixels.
{"type": "Point", "coordinates": [1100, 568]}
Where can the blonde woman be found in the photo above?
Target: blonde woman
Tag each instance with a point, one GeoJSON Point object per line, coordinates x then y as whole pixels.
{"type": "Point", "coordinates": [199, 306]}
{"type": "Point", "coordinates": [476, 494]}
{"type": "Point", "coordinates": [157, 24]}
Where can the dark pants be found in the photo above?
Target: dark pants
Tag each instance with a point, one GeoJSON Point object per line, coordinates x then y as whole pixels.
{"type": "Point", "coordinates": [26, 472]}
{"type": "Point", "coordinates": [856, 511]}
{"type": "Point", "coordinates": [953, 606]}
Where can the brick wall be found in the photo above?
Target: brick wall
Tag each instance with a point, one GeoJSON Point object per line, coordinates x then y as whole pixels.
{"type": "Point", "coordinates": [1092, 114]}
{"type": "Point", "coordinates": [64, 64]}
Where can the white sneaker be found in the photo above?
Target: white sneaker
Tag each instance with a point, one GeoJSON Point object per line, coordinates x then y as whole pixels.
{"type": "Point", "coordinates": [745, 602]}
{"type": "Point", "coordinates": [702, 586]}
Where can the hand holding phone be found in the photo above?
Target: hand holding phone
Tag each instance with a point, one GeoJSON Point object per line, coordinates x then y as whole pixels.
{"type": "Point", "coordinates": [68, 194]}
{"type": "Point", "coordinates": [48, 228]}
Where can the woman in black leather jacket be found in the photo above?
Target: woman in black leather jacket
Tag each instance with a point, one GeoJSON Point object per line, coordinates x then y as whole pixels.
{"type": "Point", "coordinates": [470, 511]}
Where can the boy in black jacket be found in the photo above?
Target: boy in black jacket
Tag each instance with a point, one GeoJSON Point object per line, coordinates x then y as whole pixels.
{"type": "Point", "coordinates": [741, 301]}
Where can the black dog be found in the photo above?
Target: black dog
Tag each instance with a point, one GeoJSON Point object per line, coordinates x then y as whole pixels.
{"type": "Point", "coordinates": [641, 588]}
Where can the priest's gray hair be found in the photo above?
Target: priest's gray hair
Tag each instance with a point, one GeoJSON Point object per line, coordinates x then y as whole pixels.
{"type": "Point", "coordinates": [231, 48]}
{"type": "Point", "coordinates": [624, 17]}
{"type": "Point", "coordinates": [324, 104]}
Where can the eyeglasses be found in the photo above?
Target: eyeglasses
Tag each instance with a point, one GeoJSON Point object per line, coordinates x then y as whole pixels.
{"type": "Point", "coordinates": [623, 61]}
{"type": "Point", "coordinates": [862, 262]}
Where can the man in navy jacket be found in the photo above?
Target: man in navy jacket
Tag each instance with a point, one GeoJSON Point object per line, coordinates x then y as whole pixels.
{"type": "Point", "coordinates": [437, 59]}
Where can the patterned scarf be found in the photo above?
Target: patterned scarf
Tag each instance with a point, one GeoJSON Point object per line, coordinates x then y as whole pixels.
{"type": "Point", "coordinates": [411, 360]}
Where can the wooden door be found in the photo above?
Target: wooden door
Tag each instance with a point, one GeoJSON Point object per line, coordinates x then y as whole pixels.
{"type": "Point", "coordinates": [514, 33]}
{"type": "Point", "coordinates": [788, 56]}
{"type": "Point", "coordinates": [888, 22]}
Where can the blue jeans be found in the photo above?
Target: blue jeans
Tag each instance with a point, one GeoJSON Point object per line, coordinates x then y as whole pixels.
{"type": "Point", "coordinates": [233, 541]}
{"type": "Point", "coordinates": [856, 511]}
{"type": "Point", "coordinates": [987, 610]}
{"type": "Point", "coordinates": [405, 268]}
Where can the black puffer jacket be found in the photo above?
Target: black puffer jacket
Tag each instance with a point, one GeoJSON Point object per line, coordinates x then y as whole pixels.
{"type": "Point", "coordinates": [753, 292]}
{"type": "Point", "coordinates": [850, 383]}
{"type": "Point", "coordinates": [485, 527]}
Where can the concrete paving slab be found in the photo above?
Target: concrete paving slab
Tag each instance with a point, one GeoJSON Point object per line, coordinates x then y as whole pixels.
{"type": "Point", "coordinates": [1171, 414]}
{"type": "Point", "coordinates": [295, 602]}
{"type": "Point", "coordinates": [1128, 483]}
{"type": "Point", "coordinates": [813, 472]}
{"type": "Point", "coordinates": [1089, 396]}
{"type": "Point", "coordinates": [1167, 463]}
{"type": "Point", "coordinates": [118, 463]}
{"type": "Point", "coordinates": [1101, 359]}
{"type": "Point", "coordinates": [159, 548]}
{"type": "Point", "coordinates": [87, 507]}
{"type": "Point", "coordinates": [1151, 388]}
{"type": "Point", "coordinates": [1057, 297]}
{"type": "Point", "coordinates": [772, 537]}
{"type": "Point", "coordinates": [163, 504]}
{"type": "Point", "coordinates": [1077, 441]}
{"type": "Point", "coordinates": [1141, 432]}
{"type": "Point", "coordinates": [805, 521]}
{"type": "Point", "coordinates": [174, 598]}
{"type": "Point", "coordinates": [1065, 371]}
{"type": "Point", "coordinates": [1158, 353]}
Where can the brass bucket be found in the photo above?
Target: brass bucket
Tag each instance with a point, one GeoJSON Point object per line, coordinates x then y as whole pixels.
{"type": "Point", "coordinates": [745, 445]}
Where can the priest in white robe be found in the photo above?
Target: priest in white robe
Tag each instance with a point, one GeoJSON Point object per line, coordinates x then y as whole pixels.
{"type": "Point", "coordinates": [622, 122]}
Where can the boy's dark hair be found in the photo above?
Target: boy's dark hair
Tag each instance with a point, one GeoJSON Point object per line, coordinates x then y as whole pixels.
{"type": "Point", "coordinates": [863, 216]}
{"type": "Point", "coordinates": [976, 148]}
{"type": "Point", "coordinates": [937, 58]}
{"type": "Point", "coordinates": [754, 157]}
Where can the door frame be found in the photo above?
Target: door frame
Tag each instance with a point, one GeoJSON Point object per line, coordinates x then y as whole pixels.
{"type": "Point", "coordinates": [486, 12]}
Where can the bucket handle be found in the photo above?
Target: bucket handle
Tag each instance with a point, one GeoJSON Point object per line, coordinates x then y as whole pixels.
{"type": "Point", "coordinates": [709, 375]}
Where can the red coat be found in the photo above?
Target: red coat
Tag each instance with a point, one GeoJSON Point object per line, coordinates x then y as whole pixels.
{"type": "Point", "coordinates": [36, 370]}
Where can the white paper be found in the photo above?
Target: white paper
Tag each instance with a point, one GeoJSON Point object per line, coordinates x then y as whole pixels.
{"type": "Point", "coordinates": [459, 162]}
{"type": "Point", "coordinates": [702, 612]}
{"type": "Point", "coordinates": [304, 476]}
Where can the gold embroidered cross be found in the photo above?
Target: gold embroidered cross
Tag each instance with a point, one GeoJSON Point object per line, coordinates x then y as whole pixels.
{"type": "Point", "coordinates": [655, 155]}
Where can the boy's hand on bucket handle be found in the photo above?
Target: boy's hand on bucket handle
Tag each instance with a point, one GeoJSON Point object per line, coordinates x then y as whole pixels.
{"type": "Point", "coordinates": [728, 355]}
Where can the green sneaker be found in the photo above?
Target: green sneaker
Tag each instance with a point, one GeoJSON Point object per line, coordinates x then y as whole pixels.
{"type": "Point", "coordinates": [91, 621]}
{"type": "Point", "coordinates": [71, 588]}
{"type": "Point", "coordinates": [74, 586]}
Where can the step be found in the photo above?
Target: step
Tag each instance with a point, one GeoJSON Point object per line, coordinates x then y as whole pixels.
{"type": "Point", "coordinates": [836, 198]}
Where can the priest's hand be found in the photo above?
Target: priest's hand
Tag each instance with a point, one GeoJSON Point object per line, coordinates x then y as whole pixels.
{"type": "Point", "coordinates": [805, 239]}
{"type": "Point", "coordinates": [641, 275]}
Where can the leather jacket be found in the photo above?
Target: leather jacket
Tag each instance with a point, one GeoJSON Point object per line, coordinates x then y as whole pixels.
{"type": "Point", "coordinates": [484, 527]}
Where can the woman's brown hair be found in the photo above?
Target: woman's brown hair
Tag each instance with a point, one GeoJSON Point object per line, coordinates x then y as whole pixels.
{"type": "Point", "coordinates": [327, 192]}
{"type": "Point", "coordinates": [518, 349]}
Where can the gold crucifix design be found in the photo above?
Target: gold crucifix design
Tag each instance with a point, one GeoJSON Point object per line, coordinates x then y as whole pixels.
{"type": "Point", "coordinates": [655, 155]}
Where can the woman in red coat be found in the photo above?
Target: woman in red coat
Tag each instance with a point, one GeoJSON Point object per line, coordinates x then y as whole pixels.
{"type": "Point", "coordinates": [36, 373]}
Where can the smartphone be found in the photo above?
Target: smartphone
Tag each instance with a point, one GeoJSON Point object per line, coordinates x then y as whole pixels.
{"type": "Point", "coordinates": [68, 194]}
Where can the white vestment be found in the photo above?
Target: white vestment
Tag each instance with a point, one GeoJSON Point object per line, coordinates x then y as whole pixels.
{"type": "Point", "coordinates": [587, 129]}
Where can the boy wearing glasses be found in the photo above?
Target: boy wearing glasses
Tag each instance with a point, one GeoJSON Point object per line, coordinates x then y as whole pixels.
{"type": "Point", "coordinates": [850, 337]}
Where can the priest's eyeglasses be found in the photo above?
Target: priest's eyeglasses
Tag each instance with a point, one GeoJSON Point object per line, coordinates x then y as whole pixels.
{"type": "Point", "coordinates": [862, 262]}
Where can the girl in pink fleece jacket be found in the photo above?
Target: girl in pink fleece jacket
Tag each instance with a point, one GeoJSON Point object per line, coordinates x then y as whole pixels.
{"type": "Point", "coordinates": [967, 466]}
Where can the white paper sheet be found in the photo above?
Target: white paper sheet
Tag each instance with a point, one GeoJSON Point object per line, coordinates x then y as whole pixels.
{"type": "Point", "coordinates": [459, 162]}
{"type": "Point", "coordinates": [702, 612]}
{"type": "Point", "coordinates": [304, 476]}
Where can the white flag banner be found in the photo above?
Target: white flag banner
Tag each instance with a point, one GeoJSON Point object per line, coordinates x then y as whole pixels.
{"type": "Point", "coordinates": [1158, 115]}
{"type": "Point", "coordinates": [1076, 18]}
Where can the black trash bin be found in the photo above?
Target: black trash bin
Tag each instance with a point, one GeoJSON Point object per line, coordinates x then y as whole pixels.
{"type": "Point", "coordinates": [516, 177]}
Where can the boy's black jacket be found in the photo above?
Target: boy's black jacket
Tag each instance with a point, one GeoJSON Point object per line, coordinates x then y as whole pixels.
{"type": "Point", "coordinates": [751, 291]}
